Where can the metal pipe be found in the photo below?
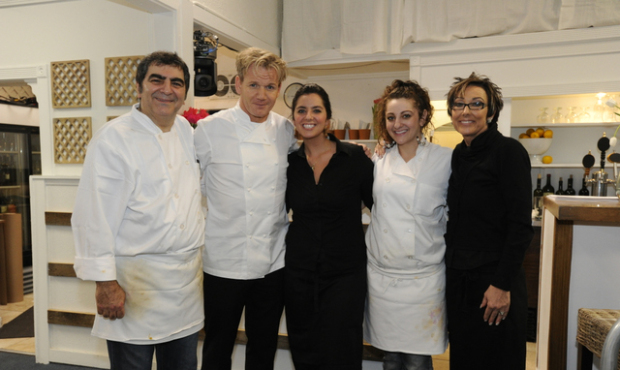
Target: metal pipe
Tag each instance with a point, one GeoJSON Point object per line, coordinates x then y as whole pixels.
{"type": "Point", "coordinates": [609, 355]}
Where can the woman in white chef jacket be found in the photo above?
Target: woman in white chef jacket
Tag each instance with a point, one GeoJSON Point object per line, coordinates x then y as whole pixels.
{"type": "Point", "coordinates": [405, 311]}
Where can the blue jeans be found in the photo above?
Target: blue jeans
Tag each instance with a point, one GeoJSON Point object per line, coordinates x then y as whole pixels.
{"type": "Point", "coordinates": [179, 354]}
{"type": "Point", "coordinates": [406, 361]}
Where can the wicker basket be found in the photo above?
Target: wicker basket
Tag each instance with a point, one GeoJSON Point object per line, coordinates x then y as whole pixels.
{"type": "Point", "coordinates": [593, 326]}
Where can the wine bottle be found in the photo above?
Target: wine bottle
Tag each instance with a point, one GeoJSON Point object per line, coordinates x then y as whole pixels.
{"type": "Point", "coordinates": [584, 188]}
{"type": "Point", "coordinates": [560, 187]}
{"type": "Point", "coordinates": [548, 189]}
{"type": "Point", "coordinates": [538, 195]}
{"type": "Point", "coordinates": [569, 188]}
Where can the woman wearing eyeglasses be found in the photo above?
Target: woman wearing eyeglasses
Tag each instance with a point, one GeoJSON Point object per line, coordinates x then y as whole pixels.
{"type": "Point", "coordinates": [489, 229]}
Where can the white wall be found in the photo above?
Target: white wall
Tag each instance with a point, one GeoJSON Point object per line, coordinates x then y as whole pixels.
{"type": "Point", "coordinates": [259, 21]}
{"type": "Point", "coordinates": [64, 31]}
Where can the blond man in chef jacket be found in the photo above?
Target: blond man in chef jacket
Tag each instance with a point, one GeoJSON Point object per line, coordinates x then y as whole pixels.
{"type": "Point", "coordinates": [243, 157]}
{"type": "Point", "coordinates": [139, 228]}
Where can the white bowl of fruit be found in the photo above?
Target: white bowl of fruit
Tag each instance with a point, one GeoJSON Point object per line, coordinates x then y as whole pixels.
{"type": "Point", "coordinates": [536, 142]}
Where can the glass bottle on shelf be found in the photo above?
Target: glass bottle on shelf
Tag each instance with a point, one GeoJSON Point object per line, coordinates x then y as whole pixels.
{"type": "Point", "coordinates": [538, 195]}
{"type": "Point", "coordinates": [560, 187]}
{"type": "Point", "coordinates": [557, 117]}
{"type": "Point", "coordinates": [569, 188]}
{"type": "Point", "coordinates": [543, 117]}
{"type": "Point", "coordinates": [584, 188]}
{"type": "Point", "coordinates": [548, 189]}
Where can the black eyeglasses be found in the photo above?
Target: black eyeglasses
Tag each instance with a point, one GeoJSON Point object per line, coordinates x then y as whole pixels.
{"type": "Point", "coordinates": [475, 105]}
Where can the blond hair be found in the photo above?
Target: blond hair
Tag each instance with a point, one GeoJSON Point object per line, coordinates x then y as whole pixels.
{"type": "Point", "coordinates": [257, 58]}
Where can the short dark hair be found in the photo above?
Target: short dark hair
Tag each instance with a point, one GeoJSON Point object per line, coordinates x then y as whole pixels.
{"type": "Point", "coordinates": [162, 58]}
{"type": "Point", "coordinates": [410, 90]}
{"type": "Point", "coordinates": [494, 94]}
{"type": "Point", "coordinates": [312, 88]}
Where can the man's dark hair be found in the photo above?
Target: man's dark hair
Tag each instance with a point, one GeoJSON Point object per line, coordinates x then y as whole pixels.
{"type": "Point", "coordinates": [162, 58]}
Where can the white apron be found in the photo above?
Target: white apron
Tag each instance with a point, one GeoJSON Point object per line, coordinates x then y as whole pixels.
{"type": "Point", "coordinates": [405, 310]}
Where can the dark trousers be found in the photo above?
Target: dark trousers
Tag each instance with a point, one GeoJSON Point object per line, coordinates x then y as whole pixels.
{"type": "Point", "coordinates": [224, 302]}
{"type": "Point", "coordinates": [324, 317]}
{"type": "Point", "coordinates": [179, 354]}
{"type": "Point", "coordinates": [474, 344]}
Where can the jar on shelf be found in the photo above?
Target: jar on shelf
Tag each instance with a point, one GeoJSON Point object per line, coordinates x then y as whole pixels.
{"type": "Point", "coordinates": [543, 117]}
{"type": "Point", "coordinates": [557, 117]}
{"type": "Point", "coordinates": [571, 116]}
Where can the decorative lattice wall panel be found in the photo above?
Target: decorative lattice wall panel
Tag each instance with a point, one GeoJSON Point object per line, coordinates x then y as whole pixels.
{"type": "Point", "coordinates": [71, 137]}
{"type": "Point", "coordinates": [120, 77]}
{"type": "Point", "coordinates": [71, 84]}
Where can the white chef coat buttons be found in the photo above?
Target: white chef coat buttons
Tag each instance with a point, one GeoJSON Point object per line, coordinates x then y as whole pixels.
{"type": "Point", "coordinates": [182, 226]}
{"type": "Point", "coordinates": [408, 206]}
{"type": "Point", "coordinates": [410, 257]}
{"type": "Point", "coordinates": [169, 165]}
{"type": "Point", "coordinates": [387, 179]}
{"type": "Point", "coordinates": [385, 256]}
{"type": "Point", "coordinates": [176, 196]}
{"type": "Point", "coordinates": [385, 231]}
{"type": "Point", "coordinates": [186, 162]}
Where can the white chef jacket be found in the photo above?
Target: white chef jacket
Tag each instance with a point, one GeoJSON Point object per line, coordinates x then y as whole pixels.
{"type": "Point", "coordinates": [405, 309]}
{"type": "Point", "coordinates": [138, 220]}
{"type": "Point", "coordinates": [243, 168]}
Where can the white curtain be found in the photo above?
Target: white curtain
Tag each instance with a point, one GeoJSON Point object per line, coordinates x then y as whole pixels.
{"type": "Point", "coordinates": [312, 27]}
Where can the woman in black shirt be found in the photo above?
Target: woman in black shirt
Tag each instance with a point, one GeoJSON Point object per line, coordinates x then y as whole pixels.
{"type": "Point", "coordinates": [325, 250]}
{"type": "Point", "coordinates": [489, 229]}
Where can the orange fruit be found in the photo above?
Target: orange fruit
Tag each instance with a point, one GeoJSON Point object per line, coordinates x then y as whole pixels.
{"type": "Point", "coordinates": [529, 131]}
{"type": "Point", "coordinates": [540, 131]}
{"type": "Point", "coordinates": [534, 135]}
{"type": "Point", "coordinates": [548, 134]}
{"type": "Point", "coordinates": [547, 159]}
{"type": "Point", "coordinates": [524, 136]}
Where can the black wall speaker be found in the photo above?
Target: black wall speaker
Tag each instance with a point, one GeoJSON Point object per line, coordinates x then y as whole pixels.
{"type": "Point", "coordinates": [205, 82]}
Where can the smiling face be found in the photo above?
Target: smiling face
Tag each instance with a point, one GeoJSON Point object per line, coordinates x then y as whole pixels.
{"type": "Point", "coordinates": [258, 92]}
{"type": "Point", "coordinates": [310, 116]}
{"type": "Point", "coordinates": [162, 94]}
{"type": "Point", "coordinates": [470, 123]}
{"type": "Point", "coordinates": [403, 121]}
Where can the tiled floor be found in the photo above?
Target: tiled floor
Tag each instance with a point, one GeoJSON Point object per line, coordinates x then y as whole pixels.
{"type": "Point", "coordinates": [26, 345]}
{"type": "Point", "coordinates": [9, 312]}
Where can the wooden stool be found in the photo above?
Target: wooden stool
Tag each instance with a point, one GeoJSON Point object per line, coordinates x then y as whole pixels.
{"type": "Point", "coordinates": [592, 328]}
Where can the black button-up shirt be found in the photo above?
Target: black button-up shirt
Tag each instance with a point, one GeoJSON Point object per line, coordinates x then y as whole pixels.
{"type": "Point", "coordinates": [326, 234]}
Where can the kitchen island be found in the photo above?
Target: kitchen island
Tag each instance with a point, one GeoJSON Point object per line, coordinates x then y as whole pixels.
{"type": "Point", "coordinates": [579, 267]}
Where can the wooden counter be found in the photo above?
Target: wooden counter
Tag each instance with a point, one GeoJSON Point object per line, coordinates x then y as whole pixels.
{"type": "Point", "coordinates": [560, 215]}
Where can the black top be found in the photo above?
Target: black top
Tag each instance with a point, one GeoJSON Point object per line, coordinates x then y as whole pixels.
{"type": "Point", "coordinates": [490, 205]}
{"type": "Point", "coordinates": [326, 234]}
